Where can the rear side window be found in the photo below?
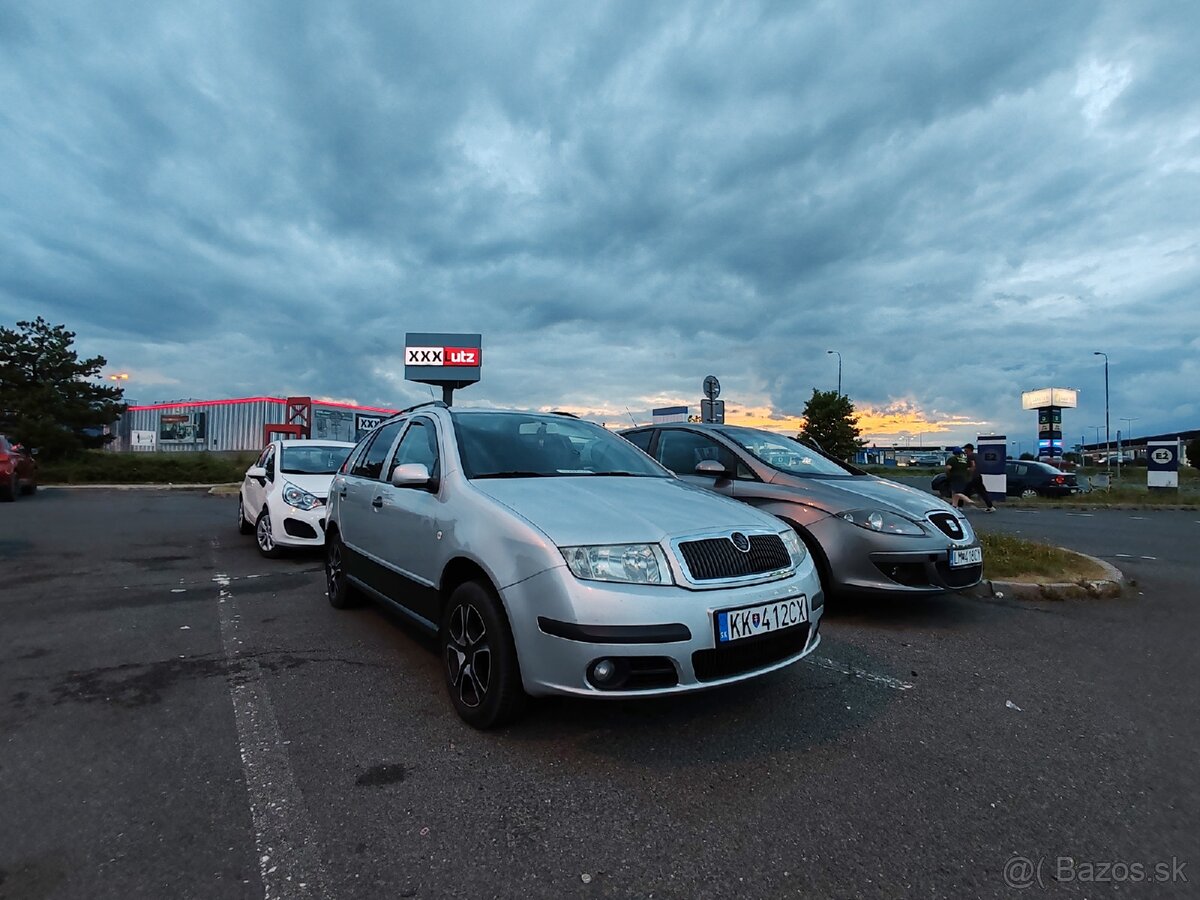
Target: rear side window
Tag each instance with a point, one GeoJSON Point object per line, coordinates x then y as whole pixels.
{"type": "Point", "coordinates": [370, 463]}
{"type": "Point", "coordinates": [640, 439]}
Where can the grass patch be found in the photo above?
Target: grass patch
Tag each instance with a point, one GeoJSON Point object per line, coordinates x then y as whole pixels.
{"type": "Point", "coordinates": [1009, 558]}
{"type": "Point", "coordinates": [104, 467]}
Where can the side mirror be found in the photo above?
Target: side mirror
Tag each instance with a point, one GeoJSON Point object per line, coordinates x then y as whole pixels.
{"type": "Point", "coordinates": [710, 467]}
{"type": "Point", "coordinates": [410, 475]}
{"type": "Point", "coordinates": [256, 472]}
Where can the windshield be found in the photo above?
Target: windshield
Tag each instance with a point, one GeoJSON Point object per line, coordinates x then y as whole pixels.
{"type": "Point", "coordinates": [531, 445]}
{"type": "Point", "coordinates": [317, 459]}
{"type": "Point", "coordinates": [785, 453]}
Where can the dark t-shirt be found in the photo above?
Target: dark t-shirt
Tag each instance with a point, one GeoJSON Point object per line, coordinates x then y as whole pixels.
{"type": "Point", "coordinates": [959, 473]}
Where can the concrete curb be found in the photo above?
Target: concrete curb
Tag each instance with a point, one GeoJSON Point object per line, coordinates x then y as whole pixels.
{"type": "Point", "coordinates": [126, 487]}
{"type": "Point", "coordinates": [1085, 589]}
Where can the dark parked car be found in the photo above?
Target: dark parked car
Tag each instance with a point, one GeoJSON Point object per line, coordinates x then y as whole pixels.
{"type": "Point", "coordinates": [18, 470]}
{"type": "Point", "coordinates": [1028, 479]}
{"type": "Point", "coordinates": [868, 535]}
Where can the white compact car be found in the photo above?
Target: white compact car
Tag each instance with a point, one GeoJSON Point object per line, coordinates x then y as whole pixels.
{"type": "Point", "coordinates": [282, 498]}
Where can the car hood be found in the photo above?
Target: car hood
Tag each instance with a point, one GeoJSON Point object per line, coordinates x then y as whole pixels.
{"type": "Point", "coordinates": [601, 509]}
{"type": "Point", "coordinates": [862, 492]}
{"type": "Point", "coordinates": [318, 485]}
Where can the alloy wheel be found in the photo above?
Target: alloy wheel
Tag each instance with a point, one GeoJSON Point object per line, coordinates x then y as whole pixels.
{"type": "Point", "coordinates": [468, 655]}
{"type": "Point", "coordinates": [266, 540]}
{"type": "Point", "coordinates": [333, 567]}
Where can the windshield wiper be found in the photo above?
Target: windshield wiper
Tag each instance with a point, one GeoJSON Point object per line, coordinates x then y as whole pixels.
{"type": "Point", "coordinates": [629, 474]}
{"type": "Point", "coordinates": [514, 474]}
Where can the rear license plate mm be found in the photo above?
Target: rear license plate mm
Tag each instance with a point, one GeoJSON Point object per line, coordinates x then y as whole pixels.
{"type": "Point", "coordinates": [735, 624]}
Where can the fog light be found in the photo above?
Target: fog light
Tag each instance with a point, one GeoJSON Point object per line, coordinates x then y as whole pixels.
{"type": "Point", "coordinates": [604, 670]}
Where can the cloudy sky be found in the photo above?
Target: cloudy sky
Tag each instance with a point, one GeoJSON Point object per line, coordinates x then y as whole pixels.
{"type": "Point", "coordinates": [965, 199]}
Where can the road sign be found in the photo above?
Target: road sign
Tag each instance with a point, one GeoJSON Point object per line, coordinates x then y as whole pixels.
{"type": "Point", "coordinates": [712, 387]}
{"type": "Point", "coordinates": [712, 412]}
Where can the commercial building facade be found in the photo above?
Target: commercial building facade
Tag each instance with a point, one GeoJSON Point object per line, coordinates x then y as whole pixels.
{"type": "Point", "coordinates": [243, 423]}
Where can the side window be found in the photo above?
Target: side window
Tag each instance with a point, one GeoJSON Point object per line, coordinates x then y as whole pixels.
{"type": "Point", "coordinates": [1022, 470]}
{"type": "Point", "coordinates": [370, 463]}
{"type": "Point", "coordinates": [355, 456]}
{"type": "Point", "coordinates": [419, 445]}
{"type": "Point", "coordinates": [640, 439]}
{"type": "Point", "coordinates": [681, 451]}
{"type": "Point", "coordinates": [269, 463]}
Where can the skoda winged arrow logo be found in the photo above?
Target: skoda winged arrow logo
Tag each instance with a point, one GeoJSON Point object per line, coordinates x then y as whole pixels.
{"type": "Point", "coordinates": [740, 542]}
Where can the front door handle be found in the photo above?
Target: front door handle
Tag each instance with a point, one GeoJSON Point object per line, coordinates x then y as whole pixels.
{"type": "Point", "coordinates": [378, 502]}
{"type": "Point", "coordinates": [342, 492]}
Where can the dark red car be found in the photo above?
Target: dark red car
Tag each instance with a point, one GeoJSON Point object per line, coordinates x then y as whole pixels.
{"type": "Point", "coordinates": [18, 470]}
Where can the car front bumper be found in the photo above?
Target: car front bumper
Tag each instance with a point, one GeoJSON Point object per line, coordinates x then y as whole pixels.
{"type": "Point", "coordinates": [562, 626]}
{"type": "Point", "coordinates": [294, 527]}
{"type": "Point", "coordinates": [865, 562]}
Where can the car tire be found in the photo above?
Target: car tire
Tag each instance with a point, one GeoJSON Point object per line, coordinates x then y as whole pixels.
{"type": "Point", "coordinates": [479, 658]}
{"type": "Point", "coordinates": [264, 537]}
{"type": "Point", "coordinates": [342, 594]}
{"type": "Point", "coordinates": [1029, 494]}
{"type": "Point", "coordinates": [10, 492]}
{"type": "Point", "coordinates": [244, 527]}
{"type": "Point", "coordinates": [30, 489]}
{"type": "Point", "coordinates": [817, 552]}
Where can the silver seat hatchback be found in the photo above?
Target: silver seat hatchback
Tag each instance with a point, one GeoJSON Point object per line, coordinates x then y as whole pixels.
{"type": "Point", "coordinates": [868, 535]}
{"type": "Point", "coordinates": [550, 556]}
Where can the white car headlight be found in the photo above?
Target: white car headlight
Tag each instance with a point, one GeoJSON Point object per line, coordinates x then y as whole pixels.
{"type": "Point", "coordinates": [795, 547]}
{"type": "Point", "coordinates": [299, 498]}
{"type": "Point", "coordinates": [631, 563]}
{"type": "Point", "coordinates": [882, 521]}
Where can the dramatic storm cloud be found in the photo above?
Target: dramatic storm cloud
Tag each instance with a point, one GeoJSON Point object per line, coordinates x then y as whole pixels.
{"type": "Point", "coordinates": [965, 200]}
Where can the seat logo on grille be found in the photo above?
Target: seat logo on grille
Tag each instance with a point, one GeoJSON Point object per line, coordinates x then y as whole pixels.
{"type": "Point", "coordinates": [740, 542]}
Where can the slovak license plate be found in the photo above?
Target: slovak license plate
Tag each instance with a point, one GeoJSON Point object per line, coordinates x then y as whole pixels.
{"type": "Point", "coordinates": [970, 556]}
{"type": "Point", "coordinates": [735, 624]}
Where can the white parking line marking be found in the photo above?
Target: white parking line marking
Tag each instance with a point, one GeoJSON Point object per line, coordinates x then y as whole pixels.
{"type": "Point", "coordinates": [1155, 558]}
{"type": "Point", "coordinates": [1123, 555]}
{"type": "Point", "coordinates": [835, 666]}
{"type": "Point", "coordinates": [287, 851]}
{"type": "Point", "coordinates": [1138, 518]}
{"type": "Point", "coordinates": [1080, 515]}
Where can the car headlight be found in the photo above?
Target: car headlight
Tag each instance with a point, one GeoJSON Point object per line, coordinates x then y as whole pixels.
{"type": "Point", "coordinates": [632, 563]}
{"type": "Point", "coordinates": [882, 521]}
{"type": "Point", "coordinates": [795, 547]}
{"type": "Point", "coordinates": [299, 498]}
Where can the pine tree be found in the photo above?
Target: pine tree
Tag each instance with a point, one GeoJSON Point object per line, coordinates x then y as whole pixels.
{"type": "Point", "coordinates": [46, 398]}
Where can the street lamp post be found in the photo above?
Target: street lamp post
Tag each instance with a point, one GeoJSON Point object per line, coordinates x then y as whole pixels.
{"type": "Point", "coordinates": [1129, 427]}
{"type": "Point", "coordinates": [1107, 449]}
{"type": "Point", "coordinates": [839, 356]}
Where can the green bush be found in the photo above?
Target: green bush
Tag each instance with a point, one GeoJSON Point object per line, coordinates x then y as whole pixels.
{"type": "Point", "coordinates": [106, 467]}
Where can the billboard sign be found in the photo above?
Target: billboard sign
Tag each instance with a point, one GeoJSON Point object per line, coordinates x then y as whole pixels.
{"type": "Point", "coordinates": [182, 428]}
{"type": "Point", "coordinates": [1044, 397]}
{"type": "Point", "coordinates": [1162, 464]}
{"type": "Point", "coordinates": [145, 441]}
{"type": "Point", "coordinates": [449, 360]}
{"type": "Point", "coordinates": [669, 414]}
{"type": "Point", "coordinates": [364, 424]}
{"type": "Point", "coordinates": [333, 425]}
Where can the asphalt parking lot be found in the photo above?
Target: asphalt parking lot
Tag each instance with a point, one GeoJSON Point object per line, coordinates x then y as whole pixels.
{"type": "Point", "coordinates": [182, 718]}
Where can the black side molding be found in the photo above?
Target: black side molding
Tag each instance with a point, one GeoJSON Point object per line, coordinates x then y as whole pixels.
{"type": "Point", "coordinates": [615, 634]}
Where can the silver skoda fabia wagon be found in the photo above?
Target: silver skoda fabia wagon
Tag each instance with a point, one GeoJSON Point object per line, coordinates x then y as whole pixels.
{"type": "Point", "coordinates": [550, 556]}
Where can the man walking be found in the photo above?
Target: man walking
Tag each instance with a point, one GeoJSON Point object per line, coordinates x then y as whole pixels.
{"type": "Point", "coordinates": [975, 479]}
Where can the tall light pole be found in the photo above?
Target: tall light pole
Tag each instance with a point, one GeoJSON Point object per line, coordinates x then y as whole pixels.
{"type": "Point", "coordinates": [839, 356]}
{"type": "Point", "coordinates": [1129, 428]}
{"type": "Point", "coordinates": [1107, 449]}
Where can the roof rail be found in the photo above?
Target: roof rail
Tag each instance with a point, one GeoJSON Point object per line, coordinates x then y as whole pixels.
{"type": "Point", "coordinates": [563, 412]}
{"type": "Point", "coordinates": [419, 405]}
